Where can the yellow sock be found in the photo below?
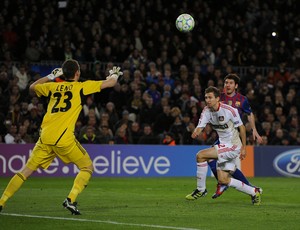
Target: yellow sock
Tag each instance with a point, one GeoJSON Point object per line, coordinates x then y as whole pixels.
{"type": "Point", "coordinates": [80, 182]}
{"type": "Point", "coordinates": [13, 186]}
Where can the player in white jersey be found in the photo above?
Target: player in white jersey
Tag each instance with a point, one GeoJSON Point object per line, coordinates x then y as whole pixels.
{"type": "Point", "coordinates": [226, 121]}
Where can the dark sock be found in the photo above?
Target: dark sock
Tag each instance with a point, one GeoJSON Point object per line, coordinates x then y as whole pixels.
{"type": "Point", "coordinates": [213, 167]}
{"type": "Point", "coordinates": [240, 176]}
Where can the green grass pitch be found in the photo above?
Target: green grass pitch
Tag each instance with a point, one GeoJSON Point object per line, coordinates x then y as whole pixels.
{"type": "Point", "coordinates": [150, 203]}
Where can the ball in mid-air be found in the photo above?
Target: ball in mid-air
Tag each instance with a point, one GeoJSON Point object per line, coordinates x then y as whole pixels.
{"type": "Point", "coordinates": [185, 23]}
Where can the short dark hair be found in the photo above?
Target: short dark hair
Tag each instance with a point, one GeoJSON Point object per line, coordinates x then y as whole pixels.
{"type": "Point", "coordinates": [233, 76]}
{"type": "Point", "coordinates": [214, 90]}
{"type": "Point", "coordinates": [69, 68]}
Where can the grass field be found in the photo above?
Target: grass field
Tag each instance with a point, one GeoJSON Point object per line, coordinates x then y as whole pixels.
{"type": "Point", "coordinates": [150, 203]}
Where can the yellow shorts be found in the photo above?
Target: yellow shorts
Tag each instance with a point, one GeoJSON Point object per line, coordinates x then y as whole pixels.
{"type": "Point", "coordinates": [42, 155]}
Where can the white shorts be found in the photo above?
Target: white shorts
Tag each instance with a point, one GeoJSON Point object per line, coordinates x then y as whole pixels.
{"type": "Point", "coordinates": [227, 154]}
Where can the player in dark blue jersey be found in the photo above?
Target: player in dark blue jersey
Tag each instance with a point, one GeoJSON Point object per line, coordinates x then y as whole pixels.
{"type": "Point", "coordinates": [231, 97]}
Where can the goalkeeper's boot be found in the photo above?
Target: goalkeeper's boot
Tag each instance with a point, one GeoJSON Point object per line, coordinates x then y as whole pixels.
{"type": "Point", "coordinates": [220, 189]}
{"type": "Point", "coordinates": [196, 194]}
{"type": "Point", "coordinates": [72, 207]}
{"type": "Point", "coordinates": [256, 199]}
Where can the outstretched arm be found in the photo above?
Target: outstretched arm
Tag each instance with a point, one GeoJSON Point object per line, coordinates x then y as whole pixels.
{"type": "Point", "coordinates": [110, 82]}
{"type": "Point", "coordinates": [255, 134]}
{"type": "Point", "coordinates": [39, 81]}
{"type": "Point", "coordinates": [54, 74]}
{"type": "Point", "coordinates": [112, 79]}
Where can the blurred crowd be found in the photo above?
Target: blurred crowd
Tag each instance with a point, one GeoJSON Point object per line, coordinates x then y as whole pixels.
{"type": "Point", "coordinates": [159, 98]}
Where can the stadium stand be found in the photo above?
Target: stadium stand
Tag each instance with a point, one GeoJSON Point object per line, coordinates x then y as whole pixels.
{"type": "Point", "coordinates": [163, 68]}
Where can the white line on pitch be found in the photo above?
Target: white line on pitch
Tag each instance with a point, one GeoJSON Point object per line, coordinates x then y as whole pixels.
{"type": "Point", "coordinates": [97, 221]}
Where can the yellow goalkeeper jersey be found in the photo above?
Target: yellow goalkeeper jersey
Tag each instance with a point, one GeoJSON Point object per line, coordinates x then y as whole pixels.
{"type": "Point", "coordinates": [64, 106]}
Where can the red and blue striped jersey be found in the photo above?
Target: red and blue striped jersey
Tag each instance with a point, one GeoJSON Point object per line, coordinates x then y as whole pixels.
{"type": "Point", "coordinates": [238, 101]}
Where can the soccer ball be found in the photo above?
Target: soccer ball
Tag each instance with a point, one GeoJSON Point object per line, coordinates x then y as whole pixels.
{"type": "Point", "coordinates": [185, 23]}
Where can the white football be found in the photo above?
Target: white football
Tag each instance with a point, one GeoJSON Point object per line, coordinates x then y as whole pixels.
{"type": "Point", "coordinates": [185, 23]}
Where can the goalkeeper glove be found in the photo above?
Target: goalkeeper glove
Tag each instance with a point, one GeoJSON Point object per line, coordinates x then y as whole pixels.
{"type": "Point", "coordinates": [115, 73]}
{"type": "Point", "coordinates": [55, 73]}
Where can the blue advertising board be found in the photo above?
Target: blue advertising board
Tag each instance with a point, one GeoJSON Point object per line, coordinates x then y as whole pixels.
{"type": "Point", "coordinates": [277, 161]}
{"type": "Point", "coordinates": [152, 161]}
{"type": "Point", "coordinates": [142, 160]}
{"type": "Point", "coordinates": [112, 160]}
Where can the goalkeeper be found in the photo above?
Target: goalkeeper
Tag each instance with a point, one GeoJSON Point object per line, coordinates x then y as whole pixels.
{"type": "Point", "coordinates": [57, 130]}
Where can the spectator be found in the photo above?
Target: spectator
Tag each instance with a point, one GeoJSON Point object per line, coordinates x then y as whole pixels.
{"type": "Point", "coordinates": [111, 113]}
{"type": "Point", "coordinates": [41, 109]}
{"type": "Point", "coordinates": [34, 103]}
{"type": "Point", "coordinates": [281, 74]}
{"type": "Point", "coordinates": [15, 95]}
{"type": "Point", "coordinates": [78, 127]}
{"type": "Point", "coordinates": [160, 61]}
{"type": "Point", "coordinates": [111, 141]}
{"type": "Point", "coordinates": [135, 133]}
{"type": "Point", "coordinates": [294, 137]}
{"type": "Point", "coordinates": [278, 111]}
{"type": "Point", "coordinates": [293, 122]}
{"type": "Point", "coordinates": [138, 80]}
{"type": "Point", "coordinates": [24, 136]}
{"type": "Point", "coordinates": [89, 137]}
{"type": "Point", "coordinates": [124, 120]}
{"type": "Point", "coordinates": [32, 53]}
{"type": "Point", "coordinates": [154, 93]}
{"type": "Point", "coordinates": [22, 76]}
{"type": "Point", "coordinates": [136, 102]}
{"type": "Point", "coordinates": [187, 134]}
{"type": "Point", "coordinates": [160, 105]}
{"type": "Point", "coordinates": [24, 109]}
{"type": "Point", "coordinates": [135, 58]}
{"type": "Point", "coordinates": [267, 130]}
{"type": "Point", "coordinates": [168, 78]}
{"type": "Point", "coordinates": [197, 91]}
{"type": "Point", "coordinates": [183, 101]}
{"type": "Point", "coordinates": [169, 139]}
{"type": "Point", "coordinates": [90, 105]}
{"type": "Point", "coordinates": [126, 78]}
{"type": "Point", "coordinates": [105, 134]}
{"type": "Point", "coordinates": [35, 122]}
{"type": "Point", "coordinates": [278, 138]}
{"type": "Point", "coordinates": [195, 115]}
{"type": "Point", "coordinates": [105, 120]}
{"type": "Point", "coordinates": [119, 96]}
{"type": "Point", "coordinates": [166, 91]}
{"type": "Point", "coordinates": [121, 136]}
{"type": "Point", "coordinates": [91, 122]}
{"type": "Point", "coordinates": [11, 136]}
{"type": "Point", "coordinates": [163, 121]}
{"type": "Point", "coordinates": [148, 138]}
{"type": "Point", "coordinates": [152, 75]}
{"type": "Point", "coordinates": [177, 128]}
{"type": "Point", "coordinates": [15, 115]}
